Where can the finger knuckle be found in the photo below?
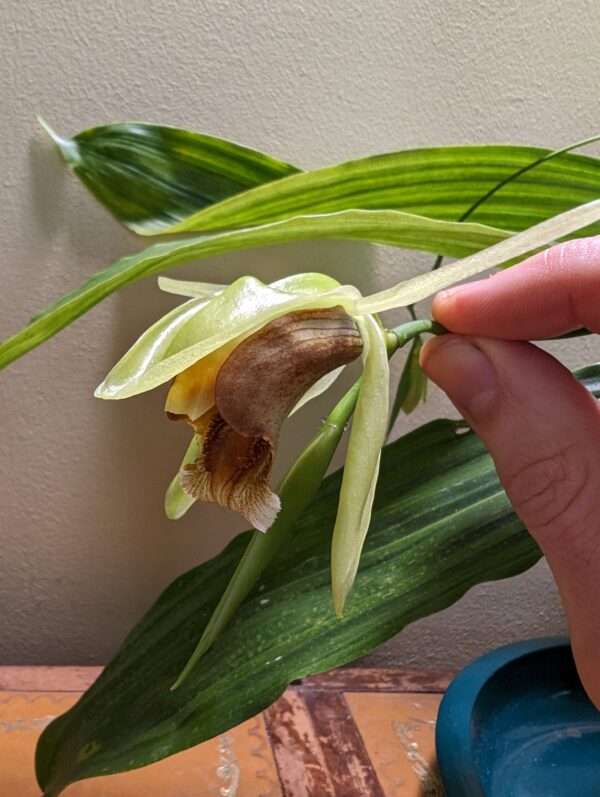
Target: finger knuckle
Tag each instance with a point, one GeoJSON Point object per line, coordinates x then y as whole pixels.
{"type": "Point", "coordinates": [548, 492]}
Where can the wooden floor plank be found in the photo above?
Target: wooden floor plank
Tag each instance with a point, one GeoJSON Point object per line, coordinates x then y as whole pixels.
{"type": "Point", "coordinates": [345, 754]}
{"type": "Point", "coordinates": [299, 756]}
{"type": "Point", "coordinates": [348, 733]}
{"type": "Point", "coordinates": [384, 679]}
{"type": "Point", "coordinates": [47, 679]}
{"type": "Point", "coordinates": [398, 731]}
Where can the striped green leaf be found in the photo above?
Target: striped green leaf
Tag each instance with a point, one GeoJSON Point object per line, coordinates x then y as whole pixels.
{"type": "Point", "coordinates": [386, 227]}
{"type": "Point", "coordinates": [441, 524]}
{"type": "Point", "coordinates": [151, 177]}
{"type": "Point", "coordinates": [161, 179]}
{"type": "Point", "coordinates": [440, 183]}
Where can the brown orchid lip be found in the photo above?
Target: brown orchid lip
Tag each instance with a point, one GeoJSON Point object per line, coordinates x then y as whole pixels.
{"type": "Point", "coordinates": [255, 389]}
{"type": "Point", "coordinates": [233, 471]}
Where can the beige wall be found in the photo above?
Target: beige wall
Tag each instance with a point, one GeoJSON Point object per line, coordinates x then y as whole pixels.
{"type": "Point", "coordinates": [84, 544]}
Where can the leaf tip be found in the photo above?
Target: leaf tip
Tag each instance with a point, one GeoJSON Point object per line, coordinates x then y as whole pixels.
{"type": "Point", "coordinates": [68, 148]}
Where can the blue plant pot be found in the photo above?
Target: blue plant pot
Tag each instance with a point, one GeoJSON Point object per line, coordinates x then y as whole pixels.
{"type": "Point", "coordinates": [517, 723]}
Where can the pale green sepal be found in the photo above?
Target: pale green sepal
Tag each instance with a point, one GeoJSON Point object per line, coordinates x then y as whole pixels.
{"type": "Point", "coordinates": [310, 282]}
{"type": "Point", "coordinates": [419, 288]}
{"type": "Point", "coordinates": [177, 502]}
{"type": "Point", "coordinates": [239, 310]}
{"type": "Point", "coordinates": [151, 347]}
{"type": "Point", "coordinates": [367, 437]}
{"type": "Point", "coordinates": [190, 288]}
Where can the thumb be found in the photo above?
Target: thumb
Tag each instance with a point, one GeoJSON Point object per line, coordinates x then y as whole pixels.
{"type": "Point", "coordinates": [543, 431]}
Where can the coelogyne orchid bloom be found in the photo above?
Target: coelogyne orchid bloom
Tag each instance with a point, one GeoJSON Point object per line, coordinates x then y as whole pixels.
{"type": "Point", "coordinates": [242, 355]}
{"type": "Point", "coordinates": [241, 358]}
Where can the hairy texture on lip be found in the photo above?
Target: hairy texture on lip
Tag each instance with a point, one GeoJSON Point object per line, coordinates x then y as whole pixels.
{"type": "Point", "coordinates": [266, 374]}
{"type": "Point", "coordinates": [256, 387]}
{"type": "Point", "coordinates": [233, 471]}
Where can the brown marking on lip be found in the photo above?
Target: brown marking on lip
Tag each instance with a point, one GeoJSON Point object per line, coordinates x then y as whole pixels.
{"type": "Point", "coordinates": [265, 376]}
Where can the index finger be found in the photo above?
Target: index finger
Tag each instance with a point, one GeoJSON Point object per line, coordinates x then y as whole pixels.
{"type": "Point", "coordinates": [551, 293]}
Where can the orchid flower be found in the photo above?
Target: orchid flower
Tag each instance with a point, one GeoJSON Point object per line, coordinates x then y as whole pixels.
{"type": "Point", "coordinates": [242, 357]}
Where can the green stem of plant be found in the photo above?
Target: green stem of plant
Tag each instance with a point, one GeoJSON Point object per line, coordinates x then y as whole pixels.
{"type": "Point", "coordinates": [296, 491]}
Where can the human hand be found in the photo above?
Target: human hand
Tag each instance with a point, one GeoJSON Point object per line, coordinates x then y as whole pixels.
{"type": "Point", "coordinates": [541, 427]}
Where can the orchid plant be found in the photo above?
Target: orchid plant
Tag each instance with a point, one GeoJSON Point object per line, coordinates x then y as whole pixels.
{"type": "Point", "coordinates": [236, 360]}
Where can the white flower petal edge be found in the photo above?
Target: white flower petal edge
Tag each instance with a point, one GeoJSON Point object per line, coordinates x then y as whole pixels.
{"type": "Point", "coordinates": [425, 285]}
{"type": "Point", "coordinates": [361, 467]}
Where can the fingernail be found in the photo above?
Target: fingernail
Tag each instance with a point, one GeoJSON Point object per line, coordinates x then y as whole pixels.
{"type": "Point", "coordinates": [442, 300]}
{"type": "Point", "coordinates": [463, 370]}
{"type": "Point", "coordinates": [444, 295]}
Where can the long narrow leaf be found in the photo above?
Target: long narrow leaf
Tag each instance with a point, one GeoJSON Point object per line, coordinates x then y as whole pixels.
{"type": "Point", "coordinates": [440, 183]}
{"type": "Point", "coordinates": [385, 227]}
{"type": "Point", "coordinates": [516, 175]}
{"type": "Point", "coordinates": [162, 179]}
{"type": "Point", "coordinates": [151, 177]}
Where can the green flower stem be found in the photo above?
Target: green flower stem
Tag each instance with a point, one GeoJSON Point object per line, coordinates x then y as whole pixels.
{"type": "Point", "coordinates": [297, 490]}
{"type": "Point", "coordinates": [410, 330]}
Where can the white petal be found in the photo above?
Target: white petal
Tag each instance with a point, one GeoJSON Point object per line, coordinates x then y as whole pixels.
{"type": "Point", "coordinates": [190, 288]}
{"type": "Point", "coordinates": [296, 283]}
{"type": "Point", "coordinates": [361, 468]}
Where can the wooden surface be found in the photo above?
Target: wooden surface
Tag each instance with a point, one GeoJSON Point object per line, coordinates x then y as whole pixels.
{"type": "Point", "coordinates": [348, 733]}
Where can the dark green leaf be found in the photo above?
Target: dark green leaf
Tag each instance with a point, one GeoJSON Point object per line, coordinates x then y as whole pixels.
{"type": "Point", "coordinates": [151, 177]}
{"type": "Point", "coordinates": [441, 524]}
